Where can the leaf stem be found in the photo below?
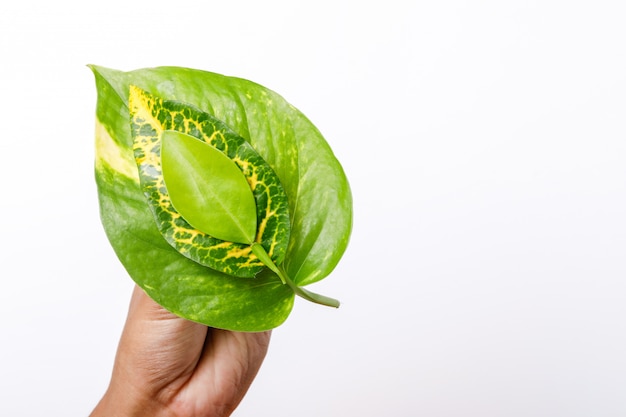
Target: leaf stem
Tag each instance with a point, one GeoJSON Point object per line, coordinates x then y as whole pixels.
{"type": "Point", "coordinates": [260, 252]}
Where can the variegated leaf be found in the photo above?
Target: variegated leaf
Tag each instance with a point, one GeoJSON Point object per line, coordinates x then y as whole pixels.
{"type": "Point", "coordinates": [150, 116]}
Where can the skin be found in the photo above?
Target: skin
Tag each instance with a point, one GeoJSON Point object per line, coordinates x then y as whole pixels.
{"type": "Point", "coordinates": [168, 366]}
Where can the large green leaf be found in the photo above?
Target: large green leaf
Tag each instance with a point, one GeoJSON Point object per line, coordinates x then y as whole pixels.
{"type": "Point", "coordinates": [320, 206]}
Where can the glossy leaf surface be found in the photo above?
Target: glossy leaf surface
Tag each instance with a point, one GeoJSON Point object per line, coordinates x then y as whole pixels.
{"type": "Point", "coordinates": [207, 188]}
{"type": "Point", "coordinates": [320, 205]}
{"type": "Point", "coordinates": [179, 284]}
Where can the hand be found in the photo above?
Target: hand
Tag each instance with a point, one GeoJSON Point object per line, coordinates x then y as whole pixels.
{"type": "Point", "coordinates": [168, 366]}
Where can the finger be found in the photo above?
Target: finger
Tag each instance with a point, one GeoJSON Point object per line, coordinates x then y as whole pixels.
{"type": "Point", "coordinates": [158, 349]}
{"type": "Point", "coordinates": [229, 363]}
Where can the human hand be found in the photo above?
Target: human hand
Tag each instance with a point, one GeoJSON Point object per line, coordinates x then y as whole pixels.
{"type": "Point", "coordinates": [169, 366]}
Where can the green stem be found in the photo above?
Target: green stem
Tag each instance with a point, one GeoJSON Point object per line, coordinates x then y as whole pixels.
{"type": "Point", "coordinates": [260, 252]}
{"type": "Point", "coordinates": [311, 296]}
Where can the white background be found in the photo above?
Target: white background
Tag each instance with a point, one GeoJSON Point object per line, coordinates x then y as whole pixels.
{"type": "Point", "coordinates": [485, 142]}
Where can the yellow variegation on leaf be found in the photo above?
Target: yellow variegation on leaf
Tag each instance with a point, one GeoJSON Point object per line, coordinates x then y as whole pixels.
{"type": "Point", "coordinates": [150, 117]}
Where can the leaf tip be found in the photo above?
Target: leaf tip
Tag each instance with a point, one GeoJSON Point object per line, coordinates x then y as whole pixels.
{"type": "Point", "coordinates": [94, 68]}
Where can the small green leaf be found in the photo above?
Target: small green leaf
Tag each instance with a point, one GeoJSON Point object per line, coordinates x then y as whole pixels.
{"type": "Point", "coordinates": [207, 188]}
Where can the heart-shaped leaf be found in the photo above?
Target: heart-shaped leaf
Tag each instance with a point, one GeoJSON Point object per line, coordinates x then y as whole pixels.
{"type": "Point", "coordinates": [207, 188]}
{"type": "Point", "coordinates": [320, 205]}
